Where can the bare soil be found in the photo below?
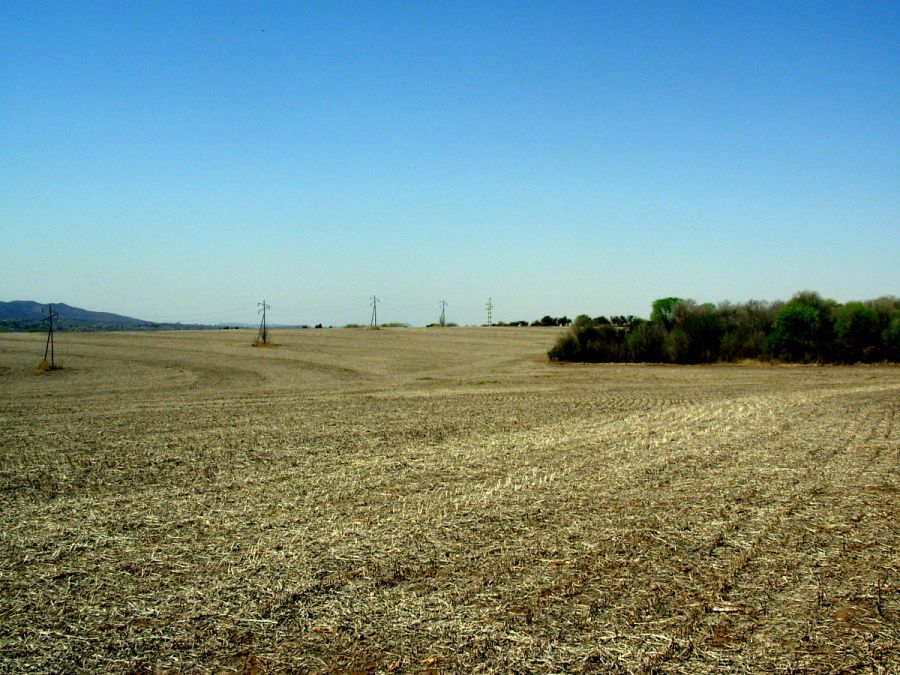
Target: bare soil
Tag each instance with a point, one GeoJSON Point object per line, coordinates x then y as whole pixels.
{"type": "Point", "coordinates": [439, 500]}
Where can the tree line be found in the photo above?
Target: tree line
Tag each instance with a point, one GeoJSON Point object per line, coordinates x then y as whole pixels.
{"type": "Point", "coordinates": [806, 329]}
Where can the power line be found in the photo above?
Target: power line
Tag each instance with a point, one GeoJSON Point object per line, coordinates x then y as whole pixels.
{"type": "Point", "coordinates": [489, 307]}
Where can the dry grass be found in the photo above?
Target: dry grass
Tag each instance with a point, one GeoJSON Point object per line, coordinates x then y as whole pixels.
{"type": "Point", "coordinates": [440, 501]}
{"type": "Point", "coordinates": [46, 366]}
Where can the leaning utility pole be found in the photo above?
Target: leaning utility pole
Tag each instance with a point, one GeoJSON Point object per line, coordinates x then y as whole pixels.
{"type": "Point", "coordinates": [262, 337]}
{"type": "Point", "coordinates": [49, 346]}
{"type": "Point", "coordinates": [443, 320]}
{"type": "Point", "coordinates": [374, 322]}
{"type": "Point", "coordinates": [489, 307]}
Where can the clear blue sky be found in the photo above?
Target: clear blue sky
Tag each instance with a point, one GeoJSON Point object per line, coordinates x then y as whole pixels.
{"type": "Point", "coordinates": [182, 161]}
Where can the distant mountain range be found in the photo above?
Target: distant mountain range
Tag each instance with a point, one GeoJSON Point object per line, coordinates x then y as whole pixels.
{"type": "Point", "coordinates": [23, 310]}
{"type": "Point", "coordinates": [26, 315]}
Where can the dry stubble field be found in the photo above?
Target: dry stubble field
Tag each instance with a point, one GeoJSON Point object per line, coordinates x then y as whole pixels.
{"type": "Point", "coordinates": [426, 500]}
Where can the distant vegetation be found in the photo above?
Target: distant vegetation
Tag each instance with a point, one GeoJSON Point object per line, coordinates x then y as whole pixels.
{"type": "Point", "coordinates": [68, 326]}
{"type": "Point", "coordinates": [551, 321]}
{"type": "Point", "coordinates": [545, 321]}
{"type": "Point", "coordinates": [806, 329]}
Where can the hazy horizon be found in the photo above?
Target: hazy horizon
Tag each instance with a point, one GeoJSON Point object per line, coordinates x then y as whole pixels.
{"type": "Point", "coordinates": [180, 163]}
{"type": "Point", "coordinates": [275, 322]}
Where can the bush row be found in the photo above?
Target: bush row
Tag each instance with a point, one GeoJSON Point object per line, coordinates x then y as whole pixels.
{"type": "Point", "coordinates": [806, 329]}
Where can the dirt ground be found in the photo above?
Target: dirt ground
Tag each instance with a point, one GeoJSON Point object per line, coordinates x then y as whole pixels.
{"type": "Point", "coordinates": [440, 500]}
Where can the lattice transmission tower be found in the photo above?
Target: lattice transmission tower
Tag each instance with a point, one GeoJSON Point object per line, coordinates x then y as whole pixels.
{"type": "Point", "coordinates": [262, 337]}
{"type": "Point", "coordinates": [374, 322]}
{"type": "Point", "coordinates": [49, 347]}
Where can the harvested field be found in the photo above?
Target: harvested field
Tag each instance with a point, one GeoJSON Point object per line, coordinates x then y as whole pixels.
{"type": "Point", "coordinates": [428, 500]}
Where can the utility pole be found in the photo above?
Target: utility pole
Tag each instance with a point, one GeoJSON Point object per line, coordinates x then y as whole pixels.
{"type": "Point", "coordinates": [262, 337]}
{"type": "Point", "coordinates": [443, 321]}
{"type": "Point", "coordinates": [49, 347]}
{"type": "Point", "coordinates": [489, 307]}
{"type": "Point", "coordinates": [374, 322]}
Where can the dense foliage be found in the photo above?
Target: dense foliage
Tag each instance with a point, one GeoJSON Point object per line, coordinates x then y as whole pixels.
{"type": "Point", "coordinates": [806, 329]}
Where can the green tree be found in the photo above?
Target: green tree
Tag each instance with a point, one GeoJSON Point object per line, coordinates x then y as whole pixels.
{"type": "Point", "coordinates": [583, 321]}
{"type": "Point", "coordinates": [702, 331]}
{"type": "Point", "coordinates": [793, 336]}
{"type": "Point", "coordinates": [856, 333]}
{"type": "Point", "coordinates": [745, 329]}
{"type": "Point", "coordinates": [886, 308]}
{"type": "Point", "coordinates": [662, 310]}
{"type": "Point", "coordinates": [647, 342]}
{"type": "Point", "coordinates": [890, 340]}
{"type": "Point", "coordinates": [802, 330]}
{"type": "Point", "coordinates": [678, 344]}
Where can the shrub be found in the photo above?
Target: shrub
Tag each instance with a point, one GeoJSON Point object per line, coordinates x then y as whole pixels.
{"type": "Point", "coordinates": [592, 344]}
{"type": "Point", "coordinates": [566, 348]}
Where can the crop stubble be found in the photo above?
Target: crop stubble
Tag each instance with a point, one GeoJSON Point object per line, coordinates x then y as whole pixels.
{"type": "Point", "coordinates": [439, 500]}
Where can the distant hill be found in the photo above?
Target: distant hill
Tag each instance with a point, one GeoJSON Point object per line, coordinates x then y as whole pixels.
{"type": "Point", "coordinates": [27, 315]}
{"type": "Point", "coordinates": [24, 310]}
{"type": "Point", "coordinates": [21, 316]}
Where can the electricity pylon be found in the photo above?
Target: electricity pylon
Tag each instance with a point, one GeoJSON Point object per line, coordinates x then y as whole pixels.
{"type": "Point", "coordinates": [49, 346]}
{"type": "Point", "coordinates": [374, 322]}
{"type": "Point", "coordinates": [262, 337]}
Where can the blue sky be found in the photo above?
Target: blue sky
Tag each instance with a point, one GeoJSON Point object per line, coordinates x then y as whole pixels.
{"type": "Point", "coordinates": [182, 161]}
